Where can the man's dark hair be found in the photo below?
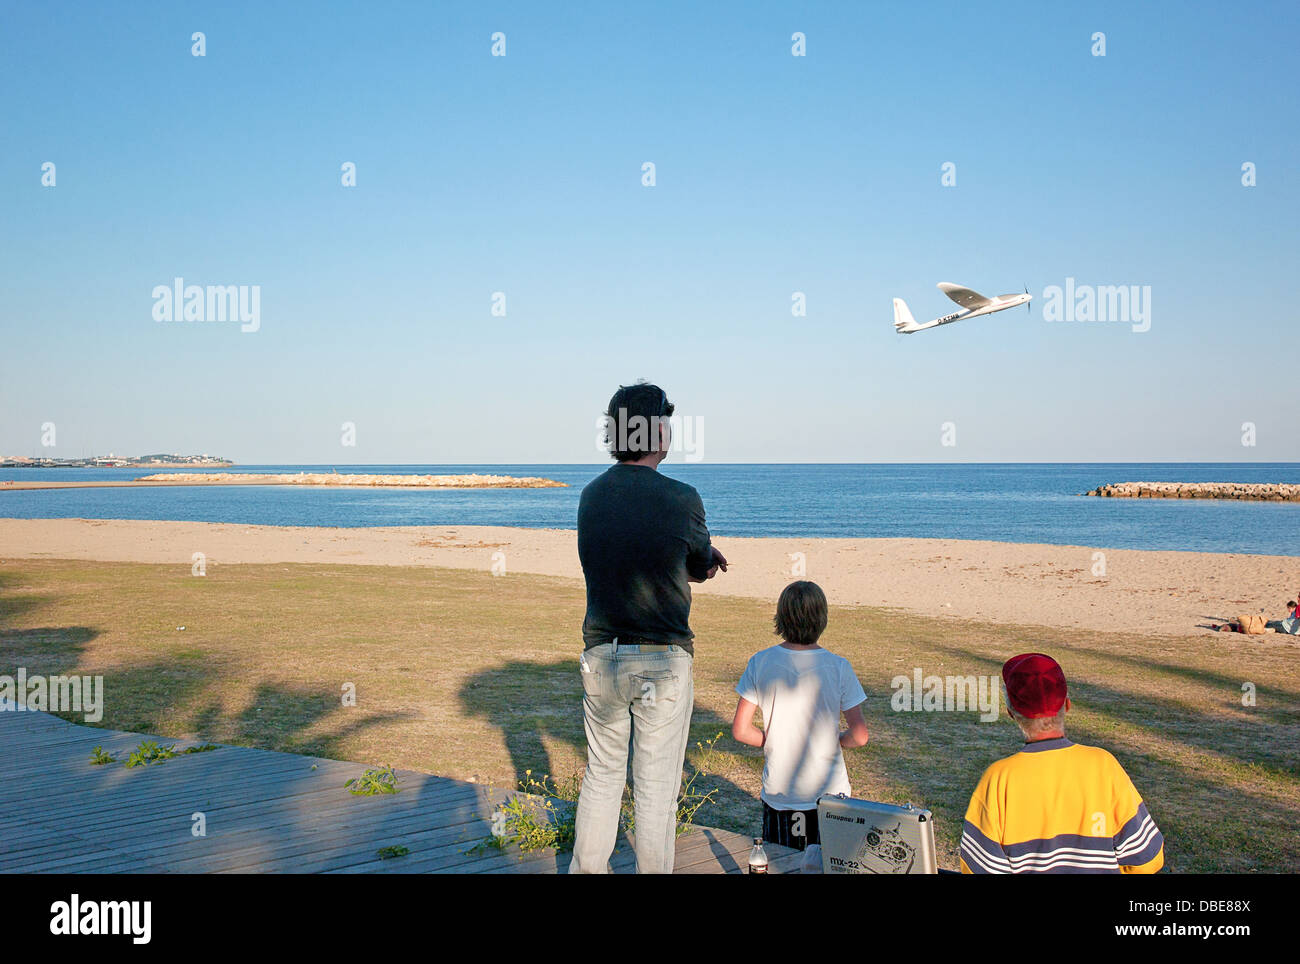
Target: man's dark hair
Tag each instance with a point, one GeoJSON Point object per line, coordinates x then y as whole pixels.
{"type": "Point", "coordinates": [631, 420]}
{"type": "Point", "coordinates": [801, 613]}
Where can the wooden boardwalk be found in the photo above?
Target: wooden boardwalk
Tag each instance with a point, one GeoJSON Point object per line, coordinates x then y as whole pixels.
{"type": "Point", "coordinates": [264, 811]}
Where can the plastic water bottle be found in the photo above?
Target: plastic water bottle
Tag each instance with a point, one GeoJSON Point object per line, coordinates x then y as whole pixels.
{"type": "Point", "coordinates": [758, 858]}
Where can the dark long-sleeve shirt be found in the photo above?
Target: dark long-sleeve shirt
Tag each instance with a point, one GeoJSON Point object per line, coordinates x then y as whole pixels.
{"type": "Point", "coordinates": [640, 535]}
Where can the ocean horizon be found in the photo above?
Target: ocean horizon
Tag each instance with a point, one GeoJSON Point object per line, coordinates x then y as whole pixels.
{"type": "Point", "coordinates": [1021, 502]}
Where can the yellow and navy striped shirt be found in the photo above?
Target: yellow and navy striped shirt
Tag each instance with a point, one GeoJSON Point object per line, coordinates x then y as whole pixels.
{"type": "Point", "coordinates": [1059, 808]}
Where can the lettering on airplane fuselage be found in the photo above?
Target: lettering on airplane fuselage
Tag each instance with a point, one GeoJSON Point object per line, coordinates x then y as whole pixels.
{"type": "Point", "coordinates": [953, 317]}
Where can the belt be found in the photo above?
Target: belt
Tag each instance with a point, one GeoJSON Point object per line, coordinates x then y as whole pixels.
{"type": "Point", "coordinates": [640, 645]}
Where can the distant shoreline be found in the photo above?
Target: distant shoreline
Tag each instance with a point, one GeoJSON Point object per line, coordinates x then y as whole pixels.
{"type": "Point", "coordinates": [328, 479]}
{"type": "Point", "coordinates": [10, 463]}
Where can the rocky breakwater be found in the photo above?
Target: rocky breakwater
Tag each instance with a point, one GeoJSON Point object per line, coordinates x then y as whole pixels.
{"type": "Point", "coordinates": [1243, 491]}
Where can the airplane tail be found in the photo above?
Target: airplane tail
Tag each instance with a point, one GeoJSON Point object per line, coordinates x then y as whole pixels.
{"type": "Point", "coordinates": [903, 320]}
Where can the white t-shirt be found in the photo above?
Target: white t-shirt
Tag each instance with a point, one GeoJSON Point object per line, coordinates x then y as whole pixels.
{"type": "Point", "coordinates": [801, 694]}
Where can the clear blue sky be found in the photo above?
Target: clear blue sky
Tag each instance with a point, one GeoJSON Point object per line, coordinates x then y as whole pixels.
{"type": "Point", "coordinates": [522, 174]}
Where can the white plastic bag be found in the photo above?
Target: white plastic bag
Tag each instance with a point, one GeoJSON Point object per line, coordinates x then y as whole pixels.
{"type": "Point", "coordinates": [812, 859]}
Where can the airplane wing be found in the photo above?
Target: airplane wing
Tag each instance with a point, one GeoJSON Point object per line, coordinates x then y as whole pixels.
{"type": "Point", "coordinates": [964, 296]}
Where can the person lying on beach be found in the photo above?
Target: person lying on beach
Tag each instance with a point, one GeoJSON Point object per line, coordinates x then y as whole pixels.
{"type": "Point", "coordinates": [802, 689]}
{"type": "Point", "coordinates": [1256, 624]}
{"type": "Point", "coordinates": [1055, 807]}
{"type": "Point", "coordinates": [1252, 624]}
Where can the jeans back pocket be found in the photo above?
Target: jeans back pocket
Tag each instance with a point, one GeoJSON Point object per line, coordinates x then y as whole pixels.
{"type": "Point", "coordinates": [652, 687]}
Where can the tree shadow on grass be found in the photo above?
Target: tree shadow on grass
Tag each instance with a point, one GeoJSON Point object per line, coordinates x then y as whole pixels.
{"type": "Point", "coordinates": [37, 650]}
{"type": "Point", "coordinates": [290, 717]}
{"type": "Point", "coordinates": [182, 694]}
{"type": "Point", "coordinates": [45, 649]}
{"type": "Point", "coordinates": [1276, 695]}
{"type": "Point", "coordinates": [14, 600]}
{"type": "Point", "coordinates": [1260, 736]}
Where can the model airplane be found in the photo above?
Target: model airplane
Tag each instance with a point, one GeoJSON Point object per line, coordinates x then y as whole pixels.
{"type": "Point", "coordinates": [972, 302]}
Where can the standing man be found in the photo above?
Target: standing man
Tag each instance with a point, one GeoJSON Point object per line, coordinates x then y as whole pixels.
{"type": "Point", "coordinates": [641, 540]}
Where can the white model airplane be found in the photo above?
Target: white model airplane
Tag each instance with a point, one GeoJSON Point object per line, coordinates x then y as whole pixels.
{"type": "Point", "coordinates": [972, 302]}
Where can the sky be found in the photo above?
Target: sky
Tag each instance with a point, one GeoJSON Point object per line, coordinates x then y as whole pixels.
{"type": "Point", "coordinates": [774, 174]}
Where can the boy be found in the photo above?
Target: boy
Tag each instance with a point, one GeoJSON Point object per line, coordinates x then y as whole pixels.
{"type": "Point", "coordinates": [801, 689]}
{"type": "Point", "coordinates": [1056, 807]}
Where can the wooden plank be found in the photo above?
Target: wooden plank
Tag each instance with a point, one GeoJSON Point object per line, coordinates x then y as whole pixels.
{"type": "Point", "coordinates": [324, 798]}
{"type": "Point", "coordinates": [431, 794]}
{"type": "Point", "coordinates": [135, 784]}
{"type": "Point", "coordinates": [449, 841]}
{"type": "Point", "coordinates": [37, 755]}
{"type": "Point", "coordinates": [328, 803]}
{"type": "Point", "coordinates": [251, 831]}
{"type": "Point", "coordinates": [154, 792]}
{"type": "Point", "coordinates": [713, 851]}
{"type": "Point", "coordinates": [215, 771]}
{"type": "Point", "coordinates": [348, 837]}
{"type": "Point", "coordinates": [623, 861]}
{"type": "Point", "coordinates": [298, 852]}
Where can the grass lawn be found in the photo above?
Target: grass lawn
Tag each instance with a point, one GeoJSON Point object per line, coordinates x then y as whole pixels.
{"type": "Point", "coordinates": [466, 675]}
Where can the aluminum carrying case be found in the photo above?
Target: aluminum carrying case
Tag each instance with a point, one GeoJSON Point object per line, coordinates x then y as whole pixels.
{"type": "Point", "coordinates": [864, 837]}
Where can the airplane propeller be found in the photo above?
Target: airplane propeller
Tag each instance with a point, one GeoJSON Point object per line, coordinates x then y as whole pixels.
{"type": "Point", "coordinates": [1026, 303]}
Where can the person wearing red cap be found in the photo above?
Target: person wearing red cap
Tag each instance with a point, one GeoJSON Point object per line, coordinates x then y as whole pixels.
{"type": "Point", "coordinates": [1056, 806]}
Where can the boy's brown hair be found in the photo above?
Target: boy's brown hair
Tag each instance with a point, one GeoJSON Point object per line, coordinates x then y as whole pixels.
{"type": "Point", "coordinates": [801, 613]}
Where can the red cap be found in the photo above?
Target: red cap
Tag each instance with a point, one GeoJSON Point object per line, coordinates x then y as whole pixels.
{"type": "Point", "coordinates": [1035, 685]}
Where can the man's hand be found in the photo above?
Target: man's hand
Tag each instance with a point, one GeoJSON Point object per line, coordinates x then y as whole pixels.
{"type": "Point", "coordinates": [716, 561]}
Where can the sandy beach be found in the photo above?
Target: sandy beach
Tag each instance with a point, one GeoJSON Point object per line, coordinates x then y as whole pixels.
{"type": "Point", "coordinates": [1162, 593]}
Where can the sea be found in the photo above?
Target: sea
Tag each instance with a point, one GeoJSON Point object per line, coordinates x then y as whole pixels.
{"type": "Point", "coordinates": [1033, 502]}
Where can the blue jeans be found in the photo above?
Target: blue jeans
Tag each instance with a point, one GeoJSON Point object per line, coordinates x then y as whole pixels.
{"type": "Point", "coordinates": [644, 698]}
